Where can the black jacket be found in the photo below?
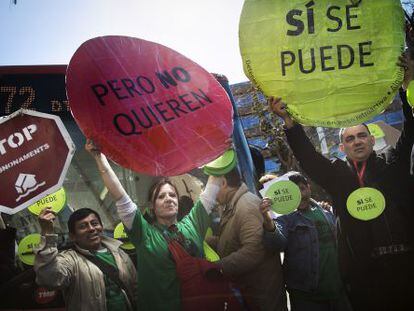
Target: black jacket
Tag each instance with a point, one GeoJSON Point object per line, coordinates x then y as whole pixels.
{"type": "Point", "coordinates": [388, 173]}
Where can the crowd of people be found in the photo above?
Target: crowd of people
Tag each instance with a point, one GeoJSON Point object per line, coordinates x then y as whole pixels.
{"type": "Point", "coordinates": [331, 260]}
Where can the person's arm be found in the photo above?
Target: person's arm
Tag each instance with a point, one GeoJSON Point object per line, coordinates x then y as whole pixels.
{"type": "Point", "coordinates": [402, 152]}
{"type": "Point", "coordinates": [7, 252]}
{"type": "Point", "coordinates": [209, 195]}
{"type": "Point", "coordinates": [52, 269]}
{"type": "Point", "coordinates": [108, 175]}
{"type": "Point", "coordinates": [199, 214]}
{"type": "Point", "coordinates": [251, 252]}
{"type": "Point", "coordinates": [403, 148]}
{"type": "Point", "coordinates": [125, 207]}
{"type": "Point", "coordinates": [318, 167]}
{"type": "Point", "coordinates": [274, 233]}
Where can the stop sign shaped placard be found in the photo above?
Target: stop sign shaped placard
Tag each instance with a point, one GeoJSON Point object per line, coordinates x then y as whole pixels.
{"type": "Point", "coordinates": [149, 108]}
{"type": "Point", "coordinates": [35, 153]}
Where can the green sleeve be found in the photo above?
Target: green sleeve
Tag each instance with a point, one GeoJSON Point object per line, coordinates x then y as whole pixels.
{"type": "Point", "coordinates": [198, 218]}
{"type": "Point", "coordinates": [137, 233]}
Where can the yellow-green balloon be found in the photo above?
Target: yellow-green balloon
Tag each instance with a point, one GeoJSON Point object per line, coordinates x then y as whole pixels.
{"type": "Point", "coordinates": [332, 62]}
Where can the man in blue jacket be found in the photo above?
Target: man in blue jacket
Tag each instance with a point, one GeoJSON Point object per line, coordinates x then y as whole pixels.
{"type": "Point", "coordinates": [308, 239]}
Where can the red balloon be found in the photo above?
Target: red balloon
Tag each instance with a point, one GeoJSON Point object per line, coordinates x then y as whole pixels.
{"type": "Point", "coordinates": [149, 108]}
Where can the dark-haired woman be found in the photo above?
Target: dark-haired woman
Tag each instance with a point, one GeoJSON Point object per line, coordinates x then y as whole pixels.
{"type": "Point", "coordinates": [158, 285]}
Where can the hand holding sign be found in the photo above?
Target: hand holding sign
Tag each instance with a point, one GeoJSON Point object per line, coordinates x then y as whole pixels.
{"type": "Point", "coordinates": [149, 108]}
{"type": "Point", "coordinates": [46, 219]}
{"type": "Point", "coordinates": [284, 194]}
{"type": "Point", "coordinates": [56, 201]}
{"type": "Point", "coordinates": [265, 206]}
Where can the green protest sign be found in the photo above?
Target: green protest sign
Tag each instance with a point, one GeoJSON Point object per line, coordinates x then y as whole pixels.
{"type": "Point", "coordinates": [285, 196]}
{"type": "Point", "coordinates": [56, 201]}
{"type": "Point", "coordinates": [365, 203]}
{"type": "Point", "coordinates": [25, 249]}
{"type": "Point", "coordinates": [333, 62]}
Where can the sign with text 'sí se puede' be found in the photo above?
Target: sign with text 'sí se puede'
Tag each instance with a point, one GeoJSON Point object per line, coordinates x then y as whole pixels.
{"type": "Point", "coordinates": [35, 154]}
{"type": "Point", "coordinates": [148, 108]}
{"type": "Point", "coordinates": [332, 61]}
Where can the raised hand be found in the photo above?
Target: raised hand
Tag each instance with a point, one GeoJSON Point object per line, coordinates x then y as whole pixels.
{"type": "Point", "coordinates": [268, 223]}
{"type": "Point", "coordinates": [93, 149]}
{"type": "Point", "coordinates": [46, 219]}
{"type": "Point", "coordinates": [277, 106]}
{"type": "Point", "coordinates": [405, 61]}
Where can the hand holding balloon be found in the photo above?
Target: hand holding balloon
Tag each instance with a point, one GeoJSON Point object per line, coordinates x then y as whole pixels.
{"type": "Point", "coordinates": [93, 149]}
{"type": "Point", "coordinates": [277, 106]}
{"type": "Point", "coordinates": [405, 61]}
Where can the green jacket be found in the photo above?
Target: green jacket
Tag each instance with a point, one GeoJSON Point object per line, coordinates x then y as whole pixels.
{"type": "Point", "coordinates": [159, 288]}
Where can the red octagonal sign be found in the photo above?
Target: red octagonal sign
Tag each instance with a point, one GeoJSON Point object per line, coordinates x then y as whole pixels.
{"type": "Point", "coordinates": [35, 153]}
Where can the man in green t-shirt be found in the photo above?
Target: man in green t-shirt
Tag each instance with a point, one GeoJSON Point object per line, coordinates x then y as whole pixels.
{"type": "Point", "coordinates": [95, 274]}
{"type": "Point", "coordinates": [307, 237]}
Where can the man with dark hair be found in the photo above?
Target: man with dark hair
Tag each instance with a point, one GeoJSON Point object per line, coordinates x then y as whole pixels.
{"type": "Point", "coordinates": [95, 274]}
{"type": "Point", "coordinates": [375, 253]}
{"type": "Point", "coordinates": [308, 239]}
{"type": "Point", "coordinates": [342, 130]}
{"type": "Point", "coordinates": [79, 215]}
{"type": "Point", "coordinates": [257, 272]}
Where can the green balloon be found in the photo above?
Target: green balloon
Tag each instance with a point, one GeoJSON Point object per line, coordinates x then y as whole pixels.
{"type": "Point", "coordinates": [410, 94]}
{"type": "Point", "coordinates": [222, 165]}
{"type": "Point", "coordinates": [285, 196]}
{"type": "Point", "coordinates": [328, 74]}
{"type": "Point", "coordinates": [365, 203]}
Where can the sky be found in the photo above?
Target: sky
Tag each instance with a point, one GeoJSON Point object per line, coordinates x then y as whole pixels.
{"type": "Point", "coordinates": [39, 32]}
{"type": "Point", "coordinates": [36, 32]}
